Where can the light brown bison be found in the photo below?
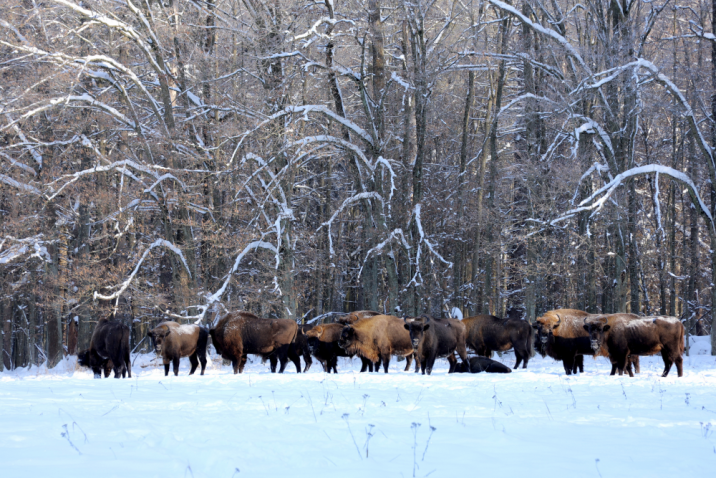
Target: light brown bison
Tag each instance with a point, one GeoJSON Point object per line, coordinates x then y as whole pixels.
{"type": "Point", "coordinates": [241, 333]}
{"type": "Point", "coordinates": [433, 338]}
{"type": "Point", "coordinates": [487, 334]}
{"type": "Point", "coordinates": [560, 334]}
{"type": "Point", "coordinates": [109, 347]}
{"type": "Point", "coordinates": [624, 335]}
{"type": "Point", "coordinates": [172, 341]}
{"type": "Point", "coordinates": [376, 339]}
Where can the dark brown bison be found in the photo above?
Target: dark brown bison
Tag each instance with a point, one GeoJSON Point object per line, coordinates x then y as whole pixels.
{"type": "Point", "coordinates": [560, 334]}
{"type": "Point", "coordinates": [624, 335]}
{"type": "Point", "coordinates": [172, 341]}
{"type": "Point", "coordinates": [487, 334]}
{"type": "Point", "coordinates": [241, 333]}
{"type": "Point", "coordinates": [299, 348]}
{"type": "Point", "coordinates": [109, 348]}
{"type": "Point", "coordinates": [376, 339]}
{"type": "Point", "coordinates": [436, 338]}
{"type": "Point", "coordinates": [482, 364]}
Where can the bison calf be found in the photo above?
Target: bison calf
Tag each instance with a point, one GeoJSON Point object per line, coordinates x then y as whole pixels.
{"type": "Point", "coordinates": [109, 347]}
{"type": "Point", "coordinates": [482, 364]}
{"type": "Point", "coordinates": [436, 338]}
{"type": "Point", "coordinates": [172, 341]}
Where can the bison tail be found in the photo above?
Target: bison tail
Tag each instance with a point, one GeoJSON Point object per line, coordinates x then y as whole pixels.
{"type": "Point", "coordinates": [681, 340]}
{"type": "Point", "coordinates": [202, 342]}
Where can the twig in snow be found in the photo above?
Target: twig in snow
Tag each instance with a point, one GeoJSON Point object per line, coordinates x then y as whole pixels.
{"type": "Point", "coordinates": [264, 404]}
{"type": "Point", "coordinates": [345, 417]}
{"type": "Point", "coordinates": [427, 444]}
{"type": "Point", "coordinates": [414, 427]}
{"type": "Point", "coordinates": [596, 465]}
{"type": "Point", "coordinates": [368, 435]}
{"type": "Point", "coordinates": [310, 402]}
{"type": "Point", "coordinates": [66, 434]}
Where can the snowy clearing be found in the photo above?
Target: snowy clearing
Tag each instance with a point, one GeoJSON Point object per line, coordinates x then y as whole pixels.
{"type": "Point", "coordinates": [535, 422]}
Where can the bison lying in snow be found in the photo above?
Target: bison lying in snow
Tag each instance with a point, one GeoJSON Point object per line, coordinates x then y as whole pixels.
{"type": "Point", "coordinates": [624, 335]}
{"type": "Point", "coordinates": [241, 333]}
{"type": "Point", "coordinates": [487, 334]}
{"type": "Point", "coordinates": [173, 341]}
{"type": "Point", "coordinates": [109, 347]}
{"type": "Point", "coordinates": [482, 364]}
{"type": "Point", "coordinates": [560, 334]}
{"type": "Point", "coordinates": [376, 339]}
{"type": "Point", "coordinates": [436, 338]}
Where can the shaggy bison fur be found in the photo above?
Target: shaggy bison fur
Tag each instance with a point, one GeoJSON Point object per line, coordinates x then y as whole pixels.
{"type": "Point", "coordinates": [487, 334]}
{"type": "Point", "coordinates": [241, 333]}
{"type": "Point", "coordinates": [299, 348]}
{"type": "Point", "coordinates": [109, 349]}
{"type": "Point", "coordinates": [482, 364]}
{"type": "Point", "coordinates": [172, 341]}
{"type": "Point", "coordinates": [377, 338]}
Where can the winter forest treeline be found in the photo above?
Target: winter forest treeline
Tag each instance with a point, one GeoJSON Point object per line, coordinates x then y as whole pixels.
{"type": "Point", "coordinates": [290, 158]}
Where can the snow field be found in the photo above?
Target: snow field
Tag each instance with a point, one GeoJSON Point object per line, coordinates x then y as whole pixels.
{"type": "Point", "coordinates": [534, 422]}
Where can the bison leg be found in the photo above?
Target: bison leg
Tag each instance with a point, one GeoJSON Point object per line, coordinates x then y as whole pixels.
{"type": "Point", "coordinates": [242, 363]}
{"type": "Point", "coordinates": [334, 363]}
{"type": "Point", "coordinates": [568, 364]}
{"type": "Point", "coordinates": [309, 361]}
{"type": "Point", "coordinates": [578, 363]}
{"type": "Point", "coordinates": [175, 363]}
{"type": "Point", "coordinates": [667, 362]}
{"type": "Point", "coordinates": [635, 362]}
{"type": "Point", "coordinates": [518, 357]}
{"type": "Point", "coordinates": [108, 366]}
{"type": "Point", "coordinates": [194, 363]}
{"type": "Point", "coordinates": [283, 355]}
{"type": "Point", "coordinates": [236, 364]}
{"type": "Point", "coordinates": [202, 360]}
{"type": "Point", "coordinates": [453, 363]}
{"type": "Point", "coordinates": [366, 364]}
{"type": "Point", "coordinates": [166, 369]}
{"type": "Point", "coordinates": [679, 365]}
{"type": "Point", "coordinates": [408, 363]}
{"type": "Point", "coordinates": [274, 361]}
{"type": "Point", "coordinates": [386, 362]}
{"type": "Point", "coordinates": [294, 357]}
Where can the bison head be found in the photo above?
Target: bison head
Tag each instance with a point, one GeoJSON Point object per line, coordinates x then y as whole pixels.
{"type": "Point", "coordinates": [83, 358]}
{"type": "Point", "coordinates": [348, 339]}
{"type": "Point", "coordinates": [416, 328]}
{"type": "Point", "coordinates": [596, 328]}
{"type": "Point", "coordinates": [157, 335]}
{"type": "Point", "coordinates": [313, 337]}
{"type": "Point", "coordinates": [543, 335]}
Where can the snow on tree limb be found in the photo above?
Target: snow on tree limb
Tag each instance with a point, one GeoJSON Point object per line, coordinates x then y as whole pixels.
{"type": "Point", "coordinates": [17, 184]}
{"type": "Point", "coordinates": [593, 204]}
{"type": "Point", "coordinates": [20, 247]}
{"type": "Point", "coordinates": [396, 234]}
{"type": "Point", "coordinates": [125, 284]}
{"type": "Point", "coordinates": [423, 237]}
{"type": "Point", "coordinates": [346, 203]}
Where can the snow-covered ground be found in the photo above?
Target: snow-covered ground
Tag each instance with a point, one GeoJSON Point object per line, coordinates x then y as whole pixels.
{"type": "Point", "coordinates": [532, 423]}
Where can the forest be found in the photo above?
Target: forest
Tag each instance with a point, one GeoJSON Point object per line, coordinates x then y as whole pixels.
{"type": "Point", "coordinates": [184, 158]}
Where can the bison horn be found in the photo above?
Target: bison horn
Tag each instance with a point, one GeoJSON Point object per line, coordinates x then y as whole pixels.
{"type": "Point", "coordinates": [559, 319]}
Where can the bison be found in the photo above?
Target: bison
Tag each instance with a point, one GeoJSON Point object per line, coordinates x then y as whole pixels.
{"type": "Point", "coordinates": [436, 338]}
{"type": "Point", "coordinates": [323, 344]}
{"type": "Point", "coordinates": [487, 334]}
{"type": "Point", "coordinates": [376, 339]}
{"type": "Point", "coordinates": [109, 348]}
{"type": "Point", "coordinates": [560, 334]}
{"type": "Point", "coordinates": [299, 348]}
{"type": "Point", "coordinates": [172, 341]}
{"type": "Point", "coordinates": [238, 334]}
{"type": "Point", "coordinates": [482, 364]}
{"type": "Point", "coordinates": [624, 335]}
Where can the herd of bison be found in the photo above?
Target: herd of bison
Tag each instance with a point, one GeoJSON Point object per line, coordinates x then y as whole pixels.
{"type": "Point", "coordinates": [565, 334]}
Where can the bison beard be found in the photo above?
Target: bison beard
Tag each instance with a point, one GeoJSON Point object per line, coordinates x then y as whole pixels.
{"type": "Point", "coordinates": [173, 341]}
{"type": "Point", "coordinates": [241, 333]}
{"type": "Point", "coordinates": [109, 349]}
{"type": "Point", "coordinates": [487, 334]}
